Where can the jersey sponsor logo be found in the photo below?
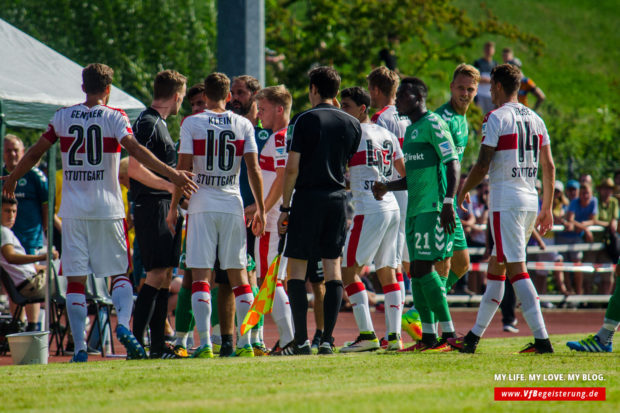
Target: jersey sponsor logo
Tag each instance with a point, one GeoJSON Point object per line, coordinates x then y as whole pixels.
{"type": "Point", "coordinates": [414, 157]}
{"type": "Point", "coordinates": [22, 182]}
{"type": "Point", "coordinates": [263, 135]}
{"type": "Point", "coordinates": [281, 151]}
{"type": "Point", "coordinates": [414, 134]}
{"type": "Point", "coordinates": [445, 148]}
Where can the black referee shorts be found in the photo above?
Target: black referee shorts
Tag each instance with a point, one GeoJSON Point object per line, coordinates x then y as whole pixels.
{"type": "Point", "coordinates": [158, 247]}
{"type": "Point", "coordinates": [314, 271]}
{"type": "Point", "coordinates": [317, 225]}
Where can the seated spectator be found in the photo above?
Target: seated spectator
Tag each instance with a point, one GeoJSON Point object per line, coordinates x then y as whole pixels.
{"type": "Point", "coordinates": [580, 215]}
{"type": "Point", "coordinates": [572, 190]}
{"type": "Point", "coordinates": [617, 185]}
{"type": "Point", "coordinates": [607, 217]}
{"type": "Point", "coordinates": [29, 279]}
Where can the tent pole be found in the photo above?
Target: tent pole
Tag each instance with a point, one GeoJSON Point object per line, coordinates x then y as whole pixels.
{"type": "Point", "coordinates": [2, 132]}
{"type": "Point", "coordinates": [51, 198]}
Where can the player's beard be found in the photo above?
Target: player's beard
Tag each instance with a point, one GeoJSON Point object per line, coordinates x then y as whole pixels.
{"type": "Point", "coordinates": [239, 108]}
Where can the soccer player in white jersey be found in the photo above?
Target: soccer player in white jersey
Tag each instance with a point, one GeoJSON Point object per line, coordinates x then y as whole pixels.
{"type": "Point", "coordinates": [274, 110]}
{"type": "Point", "coordinates": [514, 141]}
{"type": "Point", "coordinates": [372, 237]}
{"type": "Point", "coordinates": [382, 85]}
{"type": "Point", "coordinates": [212, 144]}
{"type": "Point", "coordinates": [94, 241]}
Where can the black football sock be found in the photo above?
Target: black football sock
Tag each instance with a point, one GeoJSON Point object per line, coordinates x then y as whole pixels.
{"type": "Point", "coordinates": [158, 321]}
{"type": "Point", "coordinates": [331, 308]}
{"type": "Point", "coordinates": [145, 303]}
{"type": "Point", "coordinates": [299, 307]}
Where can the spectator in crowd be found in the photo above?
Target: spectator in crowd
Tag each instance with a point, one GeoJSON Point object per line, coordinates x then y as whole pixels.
{"type": "Point", "coordinates": [617, 185]}
{"type": "Point", "coordinates": [29, 278]}
{"type": "Point", "coordinates": [585, 179]}
{"type": "Point", "coordinates": [509, 57]}
{"type": "Point", "coordinates": [560, 203]}
{"type": "Point", "coordinates": [572, 190]}
{"type": "Point", "coordinates": [31, 192]}
{"type": "Point", "coordinates": [581, 214]}
{"type": "Point", "coordinates": [485, 64]}
{"type": "Point", "coordinates": [607, 217]}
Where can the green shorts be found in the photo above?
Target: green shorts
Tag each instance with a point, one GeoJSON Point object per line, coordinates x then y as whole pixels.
{"type": "Point", "coordinates": [183, 254]}
{"type": "Point", "coordinates": [426, 239]}
{"type": "Point", "coordinates": [460, 243]}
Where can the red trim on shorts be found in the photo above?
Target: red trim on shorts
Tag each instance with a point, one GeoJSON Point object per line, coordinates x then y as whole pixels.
{"type": "Point", "coordinates": [518, 277]}
{"type": "Point", "coordinates": [399, 277]}
{"type": "Point", "coordinates": [75, 288]}
{"type": "Point", "coordinates": [279, 284]}
{"type": "Point", "coordinates": [354, 288]}
{"type": "Point", "coordinates": [390, 288]}
{"type": "Point", "coordinates": [354, 239]}
{"type": "Point", "coordinates": [499, 248]}
{"type": "Point", "coordinates": [494, 277]}
{"type": "Point", "coordinates": [242, 289]}
{"type": "Point", "coordinates": [263, 252]}
{"type": "Point", "coordinates": [200, 286]}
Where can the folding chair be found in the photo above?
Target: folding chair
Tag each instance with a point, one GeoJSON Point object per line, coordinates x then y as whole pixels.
{"type": "Point", "coordinates": [58, 305]}
{"type": "Point", "coordinates": [98, 293]}
{"type": "Point", "coordinates": [19, 300]}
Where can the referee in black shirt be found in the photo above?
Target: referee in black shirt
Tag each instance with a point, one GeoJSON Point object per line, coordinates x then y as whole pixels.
{"type": "Point", "coordinates": [152, 194]}
{"type": "Point", "coordinates": [324, 139]}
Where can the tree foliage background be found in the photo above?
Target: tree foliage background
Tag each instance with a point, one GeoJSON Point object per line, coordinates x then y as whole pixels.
{"type": "Point", "coordinates": [138, 38]}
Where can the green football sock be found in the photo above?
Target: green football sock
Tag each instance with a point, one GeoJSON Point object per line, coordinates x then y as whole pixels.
{"type": "Point", "coordinates": [613, 308]}
{"type": "Point", "coordinates": [434, 292]}
{"type": "Point", "coordinates": [215, 317]}
{"type": "Point", "coordinates": [419, 301]}
{"type": "Point", "coordinates": [184, 319]}
{"type": "Point", "coordinates": [452, 279]}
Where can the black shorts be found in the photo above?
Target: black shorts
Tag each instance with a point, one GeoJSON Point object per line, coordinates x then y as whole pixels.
{"type": "Point", "coordinates": [158, 247]}
{"type": "Point", "coordinates": [250, 240]}
{"type": "Point", "coordinates": [314, 271]}
{"type": "Point", "coordinates": [221, 276]}
{"type": "Point", "coordinates": [317, 225]}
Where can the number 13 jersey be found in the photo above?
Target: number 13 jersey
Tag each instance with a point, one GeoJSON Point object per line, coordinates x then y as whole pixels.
{"type": "Point", "coordinates": [90, 151]}
{"type": "Point", "coordinates": [217, 141]}
{"type": "Point", "coordinates": [517, 134]}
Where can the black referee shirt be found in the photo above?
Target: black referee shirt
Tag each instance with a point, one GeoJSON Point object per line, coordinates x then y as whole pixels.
{"type": "Point", "coordinates": [326, 138]}
{"type": "Point", "coordinates": [151, 131]}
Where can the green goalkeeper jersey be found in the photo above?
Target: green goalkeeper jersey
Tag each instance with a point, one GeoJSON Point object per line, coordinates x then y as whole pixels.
{"type": "Point", "coordinates": [458, 127]}
{"type": "Point", "coordinates": [427, 147]}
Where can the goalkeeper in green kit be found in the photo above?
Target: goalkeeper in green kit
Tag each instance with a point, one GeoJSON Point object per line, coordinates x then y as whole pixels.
{"type": "Point", "coordinates": [432, 169]}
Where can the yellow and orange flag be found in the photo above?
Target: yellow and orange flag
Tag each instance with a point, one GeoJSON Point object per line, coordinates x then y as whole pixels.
{"type": "Point", "coordinates": [263, 302]}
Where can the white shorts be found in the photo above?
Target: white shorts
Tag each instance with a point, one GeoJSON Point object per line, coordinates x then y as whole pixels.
{"type": "Point", "coordinates": [511, 231]}
{"type": "Point", "coordinates": [372, 236]}
{"type": "Point", "coordinates": [94, 246]}
{"type": "Point", "coordinates": [265, 249]}
{"type": "Point", "coordinates": [402, 252]}
{"type": "Point", "coordinates": [211, 232]}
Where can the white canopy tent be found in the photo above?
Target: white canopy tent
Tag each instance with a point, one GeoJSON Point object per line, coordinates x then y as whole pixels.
{"type": "Point", "coordinates": [35, 81]}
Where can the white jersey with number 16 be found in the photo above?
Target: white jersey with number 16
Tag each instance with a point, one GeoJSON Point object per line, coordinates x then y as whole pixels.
{"type": "Point", "coordinates": [217, 141]}
{"type": "Point", "coordinates": [517, 134]}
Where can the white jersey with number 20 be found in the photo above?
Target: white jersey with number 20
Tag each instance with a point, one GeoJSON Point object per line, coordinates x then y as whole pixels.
{"type": "Point", "coordinates": [217, 140]}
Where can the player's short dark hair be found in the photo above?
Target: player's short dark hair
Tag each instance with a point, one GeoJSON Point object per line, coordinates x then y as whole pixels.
{"type": "Point", "coordinates": [251, 82]}
{"type": "Point", "coordinates": [384, 79]}
{"type": "Point", "coordinates": [197, 89]}
{"type": "Point", "coordinates": [357, 95]}
{"type": "Point", "coordinates": [327, 81]}
{"type": "Point", "coordinates": [96, 77]}
{"type": "Point", "coordinates": [418, 85]}
{"type": "Point", "coordinates": [7, 200]}
{"type": "Point", "coordinates": [509, 76]}
{"type": "Point", "coordinates": [167, 83]}
{"type": "Point", "coordinates": [217, 86]}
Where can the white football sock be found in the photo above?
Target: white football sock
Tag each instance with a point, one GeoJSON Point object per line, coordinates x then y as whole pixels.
{"type": "Point", "coordinates": [77, 312]}
{"type": "Point", "coordinates": [282, 315]}
{"type": "Point", "coordinates": [122, 297]}
{"type": "Point", "coordinates": [491, 299]}
{"type": "Point", "coordinates": [243, 301]}
{"type": "Point", "coordinates": [393, 307]}
{"type": "Point", "coordinates": [359, 300]}
{"type": "Point", "coordinates": [530, 304]}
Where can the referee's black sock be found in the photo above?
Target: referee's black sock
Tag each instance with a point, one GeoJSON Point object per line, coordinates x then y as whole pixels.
{"type": "Point", "coordinates": [145, 303]}
{"type": "Point", "coordinates": [158, 321]}
{"type": "Point", "coordinates": [331, 308]}
{"type": "Point", "coordinates": [299, 307]}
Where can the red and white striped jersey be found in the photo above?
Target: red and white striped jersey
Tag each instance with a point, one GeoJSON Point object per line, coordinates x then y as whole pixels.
{"type": "Point", "coordinates": [90, 151]}
{"type": "Point", "coordinates": [389, 119]}
{"type": "Point", "coordinates": [272, 157]}
{"type": "Point", "coordinates": [373, 161]}
{"type": "Point", "coordinates": [517, 133]}
{"type": "Point", "coordinates": [217, 141]}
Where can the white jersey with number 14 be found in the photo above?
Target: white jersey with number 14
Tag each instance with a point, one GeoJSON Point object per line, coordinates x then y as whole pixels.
{"type": "Point", "coordinates": [217, 141]}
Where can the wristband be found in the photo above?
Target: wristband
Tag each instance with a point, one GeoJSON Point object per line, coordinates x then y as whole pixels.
{"type": "Point", "coordinates": [447, 200]}
{"type": "Point", "coordinates": [285, 209]}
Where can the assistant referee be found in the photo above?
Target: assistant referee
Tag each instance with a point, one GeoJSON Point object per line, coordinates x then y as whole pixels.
{"type": "Point", "coordinates": [324, 139]}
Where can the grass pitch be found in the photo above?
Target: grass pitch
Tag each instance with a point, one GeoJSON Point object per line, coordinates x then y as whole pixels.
{"type": "Point", "coordinates": [341, 383]}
